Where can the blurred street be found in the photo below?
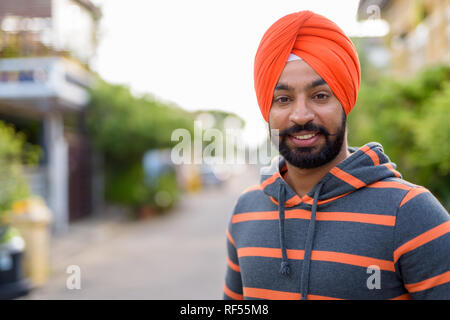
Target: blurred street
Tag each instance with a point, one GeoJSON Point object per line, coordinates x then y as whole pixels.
{"type": "Point", "coordinates": [180, 255]}
{"type": "Point", "coordinates": [92, 127]}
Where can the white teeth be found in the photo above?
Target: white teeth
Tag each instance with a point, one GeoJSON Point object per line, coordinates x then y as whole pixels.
{"type": "Point", "coordinates": [306, 136]}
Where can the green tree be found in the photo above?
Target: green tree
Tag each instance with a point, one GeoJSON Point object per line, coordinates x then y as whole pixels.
{"type": "Point", "coordinates": [124, 127]}
{"type": "Point", "coordinates": [410, 119]}
{"type": "Point", "coordinates": [14, 153]}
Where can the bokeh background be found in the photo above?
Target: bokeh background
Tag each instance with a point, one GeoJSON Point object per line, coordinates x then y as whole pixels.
{"type": "Point", "coordinates": [92, 91]}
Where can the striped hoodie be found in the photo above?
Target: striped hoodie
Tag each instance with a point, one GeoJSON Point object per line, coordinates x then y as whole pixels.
{"type": "Point", "coordinates": [361, 233]}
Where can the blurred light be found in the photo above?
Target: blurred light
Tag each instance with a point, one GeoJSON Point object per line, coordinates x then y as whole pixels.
{"type": "Point", "coordinates": [255, 131]}
{"type": "Point", "coordinates": [379, 57]}
{"type": "Point", "coordinates": [163, 198]}
{"type": "Point", "coordinates": [370, 28]}
{"type": "Point", "coordinates": [207, 120]}
{"type": "Point", "coordinates": [232, 122]}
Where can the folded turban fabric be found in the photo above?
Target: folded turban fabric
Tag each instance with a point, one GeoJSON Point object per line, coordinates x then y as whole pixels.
{"type": "Point", "coordinates": [320, 43]}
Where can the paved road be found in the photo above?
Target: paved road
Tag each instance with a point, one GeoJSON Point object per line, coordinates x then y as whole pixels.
{"type": "Point", "coordinates": [177, 256]}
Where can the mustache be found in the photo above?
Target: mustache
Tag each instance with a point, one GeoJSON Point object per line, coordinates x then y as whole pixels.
{"type": "Point", "coordinates": [307, 127]}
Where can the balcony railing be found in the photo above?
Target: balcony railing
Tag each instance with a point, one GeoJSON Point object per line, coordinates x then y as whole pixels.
{"type": "Point", "coordinates": [47, 78]}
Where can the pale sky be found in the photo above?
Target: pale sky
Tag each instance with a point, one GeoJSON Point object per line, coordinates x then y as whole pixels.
{"type": "Point", "coordinates": [199, 54]}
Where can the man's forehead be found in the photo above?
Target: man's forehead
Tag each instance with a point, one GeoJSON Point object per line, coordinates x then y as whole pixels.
{"type": "Point", "coordinates": [315, 82]}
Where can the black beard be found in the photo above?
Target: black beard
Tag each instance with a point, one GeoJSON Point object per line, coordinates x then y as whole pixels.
{"type": "Point", "coordinates": [305, 157]}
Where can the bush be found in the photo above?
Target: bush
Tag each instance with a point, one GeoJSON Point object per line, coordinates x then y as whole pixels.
{"type": "Point", "coordinates": [128, 187]}
{"type": "Point", "coordinates": [123, 127]}
{"type": "Point", "coordinates": [410, 120]}
{"type": "Point", "coordinates": [14, 152]}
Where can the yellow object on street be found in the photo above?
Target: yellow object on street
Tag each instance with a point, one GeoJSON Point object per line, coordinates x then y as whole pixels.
{"type": "Point", "coordinates": [34, 226]}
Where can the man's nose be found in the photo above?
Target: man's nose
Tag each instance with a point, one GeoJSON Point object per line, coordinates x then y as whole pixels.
{"type": "Point", "coordinates": [301, 113]}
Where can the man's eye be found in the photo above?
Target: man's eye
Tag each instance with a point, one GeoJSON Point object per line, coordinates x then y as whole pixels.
{"type": "Point", "coordinates": [321, 96]}
{"type": "Point", "coordinates": [282, 99]}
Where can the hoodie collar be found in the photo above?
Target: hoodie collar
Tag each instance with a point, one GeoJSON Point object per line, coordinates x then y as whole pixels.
{"type": "Point", "coordinates": [364, 166]}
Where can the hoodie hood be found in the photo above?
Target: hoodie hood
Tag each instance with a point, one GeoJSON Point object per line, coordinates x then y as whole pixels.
{"type": "Point", "coordinates": [363, 167]}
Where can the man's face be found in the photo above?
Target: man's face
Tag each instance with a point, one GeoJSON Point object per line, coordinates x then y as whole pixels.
{"type": "Point", "coordinates": [310, 119]}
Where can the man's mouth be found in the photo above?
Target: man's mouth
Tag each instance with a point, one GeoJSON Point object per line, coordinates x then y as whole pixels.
{"type": "Point", "coordinates": [305, 139]}
{"type": "Point", "coordinates": [305, 136]}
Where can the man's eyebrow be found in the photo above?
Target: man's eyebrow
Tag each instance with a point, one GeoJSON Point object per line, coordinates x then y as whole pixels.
{"type": "Point", "coordinates": [315, 83]}
{"type": "Point", "coordinates": [282, 86]}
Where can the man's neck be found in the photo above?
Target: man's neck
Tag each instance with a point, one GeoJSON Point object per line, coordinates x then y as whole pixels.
{"type": "Point", "coordinates": [303, 180]}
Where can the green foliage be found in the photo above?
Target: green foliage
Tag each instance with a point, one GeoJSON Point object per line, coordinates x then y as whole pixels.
{"type": "Point", "coordinates": [128, 188]}
{"type": "Point", "coordinates": [124, 127]}
{"type": "Point", "coordinates": [8, 233]}
{"type": "Point", "coordinates": [165, 194]}
{"type": "Point", "coordinates": [14, 152]}
{"type": "Point", "coordinates": [411, 120]}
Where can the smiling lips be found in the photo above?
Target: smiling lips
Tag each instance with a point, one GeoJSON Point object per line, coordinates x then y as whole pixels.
{"type": "Point", "coordinates": [304, 139]}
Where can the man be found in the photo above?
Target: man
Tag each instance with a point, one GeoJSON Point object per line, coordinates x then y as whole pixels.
{"type": "Point", "coordinates": [328, 221]}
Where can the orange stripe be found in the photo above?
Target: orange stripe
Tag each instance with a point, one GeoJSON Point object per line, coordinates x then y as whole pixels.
{"type": "Point", "coordinates": [379, 184]}
{"type": "Point", "coordinates": [372, 154]}
{"type": "Point", "coordinates": [270, 180]}
{"type": "Point", "coordinates": [348, 178]}
{"type": "Point", "coordinates": [330, 256]}
{"type": "Point", "coordinates": [271, 215]}
{"type": "Point", "coordinates": [298, 214]}
{"type": "Point", "coordinates": [316, 297]}
{"type": "Point", "coordinates": [273, 200]}
{"type": "Point", "coordinates": [391, 168]}
{"type": "Point", "coordinates": [405, 296]}
{"type": "Point", "coordinates": [389, 184]}
{"type": "Point", "coordinates": [269, 253]}
{"type": "Point", "coordinates": [357, 217]}
{"type": "Point", "coordinates": [420, 240]}
{"type": "Point", "coordinates": [352, 259]}
{"type": "Point", "coordinates": [270, 294]}
{"type": "Point", "coordinates": [259, 252]}
{"type": "Point", "coordinates": [232, 294]}
{"type": "Point", "coordinates": [429, 283]}
{"type": "Point", "coordinates": [230, 238]}
{"type": "Point", "coordinates": [248, 216]}
{"type": "Point", "coordinates": [412, 193]}
{"type": "Point", "coordinates": [281, 295]}
{"type": "Point", "coordinates": [308, 200]}
{"type": "Point", "coordinates": [295, 200]}
{"type": "Point", "coordinates": [233, 266]}
{"type": "Point", "coordinates": [322, 216]}
{"type": "Point", "coordinates": [253, 188]}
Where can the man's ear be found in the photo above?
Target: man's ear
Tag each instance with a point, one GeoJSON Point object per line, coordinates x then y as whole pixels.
{"type": "Point", "coordinates": [344, 117]}
{"type": "Point", "coordinates": [344, 123]}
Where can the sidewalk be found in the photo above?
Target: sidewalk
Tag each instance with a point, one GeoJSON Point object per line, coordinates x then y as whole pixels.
{"type": "Point", "coordinates": [180, 255]}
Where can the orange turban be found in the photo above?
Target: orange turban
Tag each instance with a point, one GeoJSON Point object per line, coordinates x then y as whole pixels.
{"type": "Point", "coordinates": [318, 41]}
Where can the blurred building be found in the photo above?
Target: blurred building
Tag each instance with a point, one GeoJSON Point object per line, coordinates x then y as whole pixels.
{"type": "Point", "coordinates": [45, 50]}
{"type": "Point", "coordinates": [419, 31]}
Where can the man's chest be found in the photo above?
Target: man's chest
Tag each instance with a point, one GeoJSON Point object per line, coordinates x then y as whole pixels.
{"type": "Point", "coordinates": [350, 254]}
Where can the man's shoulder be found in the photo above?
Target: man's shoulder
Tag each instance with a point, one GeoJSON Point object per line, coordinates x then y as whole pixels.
{"type": "Point", "coordinates": [395, 192]}
{"type": "Point", "coordinates": [416, 198]}
{"type": "Point", "coordinates": [396, 186]}
{"type": "Point", "coordinates": [406, 189]}
{"type": "Point", "coordinates": [252, 193]}
{"type": "Point", "coordinates": [395, 182]}
{"type": "Point", "coordinates": [250, 198]}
